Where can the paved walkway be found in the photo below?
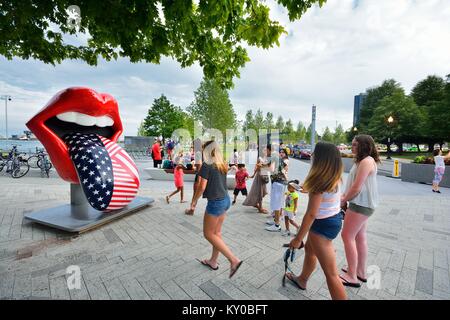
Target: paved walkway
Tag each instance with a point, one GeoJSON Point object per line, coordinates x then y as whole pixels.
{"type": "Point", "coordinates": [151, 254]}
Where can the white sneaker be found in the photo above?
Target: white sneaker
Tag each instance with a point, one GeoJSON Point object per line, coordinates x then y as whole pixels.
{"type": "Point", "coordinates": [270, 222]}
{"type": "Point", "coordinates": [285, 233]}
{"type": "Point", "coordinates": [273, 228]}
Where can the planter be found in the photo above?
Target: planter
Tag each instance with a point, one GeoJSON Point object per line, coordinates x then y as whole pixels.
{"type": "Point", "coordinates": [348, 163]}
{"type": "Point", "coordinates": [423, 173]}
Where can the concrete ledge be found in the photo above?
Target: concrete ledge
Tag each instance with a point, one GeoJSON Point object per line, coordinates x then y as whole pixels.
{"type": "Point", "coordinates": [423, 173]}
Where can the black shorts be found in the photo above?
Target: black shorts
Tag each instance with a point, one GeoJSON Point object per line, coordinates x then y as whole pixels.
{"type": "Point", "coordinates": [156, 162]}
{"type": "Point", "coordinates": [243, 191]}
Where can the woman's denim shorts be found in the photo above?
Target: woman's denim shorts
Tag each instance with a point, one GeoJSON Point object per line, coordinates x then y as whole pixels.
{"type": "Point", "coordinates": [218, 207]}
{"type": "Point", "coordinates": [328, 227]}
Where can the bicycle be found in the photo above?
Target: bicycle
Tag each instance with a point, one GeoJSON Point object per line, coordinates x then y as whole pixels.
{"type": "Point", "coordinates": [15, 164]}
{"type": "Point", "coordinates": [40, 160]}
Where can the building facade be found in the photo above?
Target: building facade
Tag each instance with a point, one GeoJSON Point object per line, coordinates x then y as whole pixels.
{"type": "Point", "coordinates": [359, 99]}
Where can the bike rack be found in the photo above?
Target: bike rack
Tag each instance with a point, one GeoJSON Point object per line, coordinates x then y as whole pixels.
{"type": "Point", "coordinates": [79, 216]}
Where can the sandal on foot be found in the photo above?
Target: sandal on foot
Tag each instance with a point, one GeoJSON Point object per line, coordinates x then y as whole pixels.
{"type": "Point", "coordinates": [167, 199]}
{"type": "Point", "coordinates": [350, 284]}
{"type": "Point", "coordinates": [233, 271]}
{"type": "Point", "coordinates": [290, 276]}
{"type": "Point", "coordinates": [359, 278]}
{"type": "Point", "coordinates": [203, 262]}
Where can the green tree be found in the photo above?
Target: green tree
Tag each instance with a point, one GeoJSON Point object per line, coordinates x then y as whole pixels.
{"type": "Point", "coordinates": [339, 135]}
{"type": "Point", "coordinates": [439, 118]}
{"type": "Point", "coordinates": [163, 118]}
{"type": "Point", "coordinates": [259, 120]}
{"type": "Point", "coordinates": [428, 91]}
{"type": "Point", "coordinates": [309, 134]}
{"type": "Point", "coordinates": [300, 133]}
{"type": "Point", "coordinates": [141, 130]}
{"type": "Point", "coordinates": [280, 124]}
{"type": "Point", "coordinates": [212, 33]}
{"type": "Point", "coordinates": [288, 132]}
{"type": "Point", "coordinates": [372, 100]}
{"type": "Point", "coordinates": [327, 135]}
{"type": "Point", "coordinates": [212, 107]}
{"type": "Point", "coordinates": [408, 119]}
{"type": "Point", "coordinates": [268, 122]}
{"type": "Point", "coordinates": [249, 122]}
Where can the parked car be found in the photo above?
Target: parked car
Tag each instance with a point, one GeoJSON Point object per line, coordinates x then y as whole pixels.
{"type": "Point", "coordinates": [305, 153]}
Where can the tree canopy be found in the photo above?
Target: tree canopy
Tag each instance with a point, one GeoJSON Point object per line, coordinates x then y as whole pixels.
{"type": "Point", "coordinates": [163, 119]}
{"type": "Point", "coordinates": [211, 33]}
{"type": "Point", "coordinates": [212, 107]}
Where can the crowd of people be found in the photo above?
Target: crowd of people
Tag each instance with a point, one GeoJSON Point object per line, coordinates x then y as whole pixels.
{"type": "Point", "coordinates": [330, 208]}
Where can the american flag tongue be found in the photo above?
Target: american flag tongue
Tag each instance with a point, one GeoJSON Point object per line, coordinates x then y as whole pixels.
{"type": "Point", "coordinates": [107, 174]}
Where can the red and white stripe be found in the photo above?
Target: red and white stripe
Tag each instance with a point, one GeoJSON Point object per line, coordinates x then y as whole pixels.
{"type": "Point", "coordinates": [126, 176]}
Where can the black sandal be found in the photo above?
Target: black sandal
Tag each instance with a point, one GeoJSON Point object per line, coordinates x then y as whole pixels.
{"type": "Point", "coordinates": [233, 271]}
{"type": "Point", "coordinates": [350, 284]}
{"type": "Point", "coordinates": [359, 278]}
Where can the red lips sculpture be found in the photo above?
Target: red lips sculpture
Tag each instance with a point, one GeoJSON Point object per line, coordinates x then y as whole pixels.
{"type": "Point", "coordinates": [79, 129]}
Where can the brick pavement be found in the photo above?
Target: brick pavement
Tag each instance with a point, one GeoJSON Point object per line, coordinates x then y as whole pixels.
{"type": "Point", "coordinates": [151, 254]}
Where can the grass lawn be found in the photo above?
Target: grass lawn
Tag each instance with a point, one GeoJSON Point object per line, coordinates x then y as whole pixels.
{"type": "Point", "coordinates": [407, 155]}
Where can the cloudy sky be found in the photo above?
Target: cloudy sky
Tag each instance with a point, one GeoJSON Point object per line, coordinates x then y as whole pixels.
{"type": "Point", "coordinates": [333, 53]}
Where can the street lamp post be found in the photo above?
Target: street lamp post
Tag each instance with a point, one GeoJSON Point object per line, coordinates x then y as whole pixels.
{"type": "Point", "coordinates": [6, 98]}
{"type": "Point", "coordinates": [390, 120]}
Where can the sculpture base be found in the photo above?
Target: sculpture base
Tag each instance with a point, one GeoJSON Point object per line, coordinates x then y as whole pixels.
{"type": "Point", "coordinates": [81, 218]}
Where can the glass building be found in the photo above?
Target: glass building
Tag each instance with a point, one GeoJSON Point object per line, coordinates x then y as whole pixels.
{"type": "Point", "coordinates": [359, 99]}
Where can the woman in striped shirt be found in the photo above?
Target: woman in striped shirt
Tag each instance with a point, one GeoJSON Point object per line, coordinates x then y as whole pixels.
{"type": "Point", "coordinates": [322, 221]}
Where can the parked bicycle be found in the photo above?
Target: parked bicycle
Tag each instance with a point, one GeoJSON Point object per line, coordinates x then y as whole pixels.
{"type": "Point", "coordinates": [40, 160]}
{"type": "Point", "coordinates": [15, 164]}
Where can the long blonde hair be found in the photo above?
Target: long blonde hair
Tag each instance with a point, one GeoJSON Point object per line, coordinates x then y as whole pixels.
{"type": "Point", "coordinates": [326, 170]}
{"type": "Point", "coordinates": [212, 155]}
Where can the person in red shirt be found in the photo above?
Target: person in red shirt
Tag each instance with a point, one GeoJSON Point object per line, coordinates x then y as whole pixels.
{"type": "Point", "coordinates": [156, 153]}
{"type": "Point", "coordinates": [178, 174]}
{"type": "Point", "coordinates": [241, 178]}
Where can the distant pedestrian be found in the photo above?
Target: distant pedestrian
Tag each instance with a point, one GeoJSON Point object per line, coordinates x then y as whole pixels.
{"type": "Point", "coordinates": [213, 185]}
{"type": "Point", "coordinates": [279, 182]}
{"type": "Point", "coordinates": [178, 175]}
{"type": "Point", "coordinates": [240, 177]}
{"type": "Point", "coordinates": [439, 168]}
{"type": "Point", "coordinates": [170, 146]}
{"type": "Point", "coordinates": [197, 159]}
{"type": "Point", "coordinates": [261, 177]}
{"type": "Point", "coordinates": [290, 207]}
{"type": "Point", "coordinates": [156, 153]}
{"type": "Point", "coordinates": [361, 193]}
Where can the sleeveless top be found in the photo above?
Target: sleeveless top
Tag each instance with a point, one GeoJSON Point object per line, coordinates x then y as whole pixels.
{"type": "Point", "coordinates": [368, 196]}
{"type": "Point", "coordinates": [330, 205]}
{"type": "Point", "coordinates": [439, 161]}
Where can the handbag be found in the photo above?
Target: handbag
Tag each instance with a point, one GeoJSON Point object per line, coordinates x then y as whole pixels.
{"type": "Point", "coordinates": [265, 179]}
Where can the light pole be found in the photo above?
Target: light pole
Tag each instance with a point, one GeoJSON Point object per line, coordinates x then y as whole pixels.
{"type": "Point", "coordinates": [390, 120]}
{"type": "Point", "coordinates": [6, 98]}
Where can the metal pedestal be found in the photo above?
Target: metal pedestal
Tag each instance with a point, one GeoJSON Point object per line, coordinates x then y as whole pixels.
{"type": "Point", "coordinates": [79, 216]}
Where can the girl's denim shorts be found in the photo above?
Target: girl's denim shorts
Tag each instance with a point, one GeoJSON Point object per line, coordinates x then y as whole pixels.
{"type": "Point", "coordinates": [328, 227]}
{"type": "Point", "coordinates": [217, 207]}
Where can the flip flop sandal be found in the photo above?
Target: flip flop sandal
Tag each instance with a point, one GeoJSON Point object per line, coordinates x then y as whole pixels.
{"type": "Point", "coordinates": [359, 278]}
{"type": "Point", "coordinates": [233, 271]}
{"type": "Point", "coordinates": [203, 262]}
{"type": "Point", "coordinates": [350, 284]}
{"type": "Point", "coordinates": [295, 282]}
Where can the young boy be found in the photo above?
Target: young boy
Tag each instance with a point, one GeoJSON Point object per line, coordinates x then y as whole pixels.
{"type": "Point", "coordinates": [291, 205]}
{"type": "Point", "coordinates": [240, 177]}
